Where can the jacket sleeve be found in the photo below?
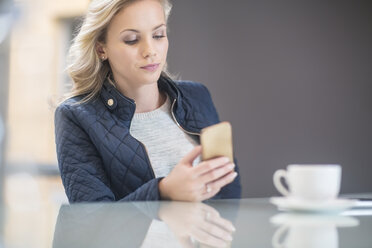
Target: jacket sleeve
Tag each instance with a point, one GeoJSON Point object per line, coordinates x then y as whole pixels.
{"type": "Point", "coordinates": [81, 166]}
{"type": "Point", "coordinates": [232, 190]}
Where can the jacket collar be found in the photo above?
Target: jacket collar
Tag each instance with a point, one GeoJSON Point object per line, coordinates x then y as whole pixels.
{"type": "Point", "coordinates": [124, 107]}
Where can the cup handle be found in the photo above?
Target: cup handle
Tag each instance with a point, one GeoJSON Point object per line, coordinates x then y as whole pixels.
{"type": "Point", "coordinates": [275, 241]}
{"type": "Point", "coordinates": [278, 184]}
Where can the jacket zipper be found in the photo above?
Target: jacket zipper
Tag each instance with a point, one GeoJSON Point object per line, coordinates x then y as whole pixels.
{"type": "Point", "coordinates": [174, 118]}
{"type": "Point", "coordinates": [148, 159]}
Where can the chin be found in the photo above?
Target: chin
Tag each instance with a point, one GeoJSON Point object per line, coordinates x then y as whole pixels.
{"type": "Point", "coordinates": [151, 78]}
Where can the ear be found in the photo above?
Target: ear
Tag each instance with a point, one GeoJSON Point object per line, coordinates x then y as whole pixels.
{"type": "Point", "coordinates": [101, 50]}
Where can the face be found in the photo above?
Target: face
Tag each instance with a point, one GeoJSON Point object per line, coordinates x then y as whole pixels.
{"type": "Point", "coordinates": [136, 44]}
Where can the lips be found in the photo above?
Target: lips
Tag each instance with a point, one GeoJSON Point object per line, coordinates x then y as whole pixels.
{"type": "Point", "coordinates": [150, 67]}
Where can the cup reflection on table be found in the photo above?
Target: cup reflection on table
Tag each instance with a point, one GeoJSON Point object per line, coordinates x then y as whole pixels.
{"type": "Point", "coordinates": [309, 230]}
{"type": "Point", "coordinates": [197, 224]}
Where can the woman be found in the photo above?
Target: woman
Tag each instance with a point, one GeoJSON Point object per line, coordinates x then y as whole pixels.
{"type": "Point", "coordinates": [127, 129]}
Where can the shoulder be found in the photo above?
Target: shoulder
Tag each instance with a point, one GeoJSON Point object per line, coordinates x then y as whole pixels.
{"type": "Point", "coordinates": [194, 91]}
{"type": "Point", "coordinates": [191, 87]}
{"type": "Point", "coordinates": [74, 109]}
{"type": "Point", "coordinates": [196, 97]}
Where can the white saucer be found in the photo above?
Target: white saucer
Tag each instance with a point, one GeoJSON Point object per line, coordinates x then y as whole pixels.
{"type": "Point", "coordinates": [290, 204]}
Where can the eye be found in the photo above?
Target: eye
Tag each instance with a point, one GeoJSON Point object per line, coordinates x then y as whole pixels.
{"type": "Point", "coordinates": [158, 37]}
{"type": "Point", "coordinates": [131, 39]}
{"type": "Point", "coordinates": [131, 42]}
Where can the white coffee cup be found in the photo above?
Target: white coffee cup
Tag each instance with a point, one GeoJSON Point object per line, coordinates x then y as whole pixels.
{"type": "Point", "coordinates": [315, 182]}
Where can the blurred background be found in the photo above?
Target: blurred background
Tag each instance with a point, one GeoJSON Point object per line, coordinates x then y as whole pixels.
{"type": "Point", "coordinates": [293, 77]}
{"type": "Point", "coordinates": [34, 39]}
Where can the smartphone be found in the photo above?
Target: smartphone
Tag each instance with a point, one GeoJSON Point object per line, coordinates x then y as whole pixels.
{"type": "Point", "coordinates": [216, 141]}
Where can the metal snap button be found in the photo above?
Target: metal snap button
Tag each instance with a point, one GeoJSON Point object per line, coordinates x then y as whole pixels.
{"type": "Point", "coordinates": [110, 102]}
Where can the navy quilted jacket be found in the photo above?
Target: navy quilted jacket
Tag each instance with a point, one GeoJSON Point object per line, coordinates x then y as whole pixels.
{"type": "Point", "coordinates": [98, 158]}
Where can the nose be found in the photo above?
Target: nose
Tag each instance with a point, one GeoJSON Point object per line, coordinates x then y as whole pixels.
{"type": "Point", "coordinates": [148, 49]}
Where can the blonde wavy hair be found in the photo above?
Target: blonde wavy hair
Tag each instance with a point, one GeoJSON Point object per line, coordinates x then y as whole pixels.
{"type": "Point", "coordinates": [85, 68]}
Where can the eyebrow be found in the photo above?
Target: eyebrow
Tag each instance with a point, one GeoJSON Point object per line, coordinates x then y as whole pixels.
{"type": "Point", "coordinates": [135, 30]}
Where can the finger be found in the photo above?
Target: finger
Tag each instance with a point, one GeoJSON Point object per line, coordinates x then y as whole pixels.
{"type": "Point", "coordinates": [203, 237]}
{"type": "Point", "coordinates": [210, 210]}
{"type": "Point", "coordinates": [206, 195]}
{"type": "Point", "coordinates": [219, 183]}
{"type": "Point", "coordinates": [216, 231]}
{"type": "Point", "coordinates": [185, 242]}
{"type": "Point", "coordinates": [215, 174]}
{"type": "Point", "coordinates": [216, 185]}
{"type": "Point", "coordinates": [192, 155]}
{"type": "Point", "coordinates": [211, 164]}
{"type": "Point", "coordinates": [223, 223]}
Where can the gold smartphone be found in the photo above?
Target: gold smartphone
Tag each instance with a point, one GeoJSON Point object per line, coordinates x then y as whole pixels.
{"type": "Point", "coordinates": [216, 141]}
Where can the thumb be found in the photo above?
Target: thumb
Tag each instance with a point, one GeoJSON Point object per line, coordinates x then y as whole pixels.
{"type": "Point", "coordinates": [192, 155]}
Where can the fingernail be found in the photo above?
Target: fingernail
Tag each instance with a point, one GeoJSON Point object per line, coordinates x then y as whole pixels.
{"type": "Point", "coordinates": [231, 228]}
{"type": "Point", "coordinates": [234, 174]}
{"type": "Point", "coordinates": [230, 166]}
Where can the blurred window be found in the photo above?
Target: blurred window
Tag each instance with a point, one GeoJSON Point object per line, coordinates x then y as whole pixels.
{"type": "Point", "coordinates": [70, 28]}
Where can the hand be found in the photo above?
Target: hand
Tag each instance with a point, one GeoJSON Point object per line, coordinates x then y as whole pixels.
{"type": "Point", "coordinates": [196, 221]}
{"type": "Point", "coordinates": [188, 183]}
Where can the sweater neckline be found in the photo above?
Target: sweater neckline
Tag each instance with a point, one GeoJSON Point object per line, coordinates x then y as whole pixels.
{"type": "Point", "coordinates": [164, 108]}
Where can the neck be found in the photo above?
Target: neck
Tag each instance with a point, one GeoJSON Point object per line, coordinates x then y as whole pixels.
{"type": "Point", "coordinates": [147, 97]}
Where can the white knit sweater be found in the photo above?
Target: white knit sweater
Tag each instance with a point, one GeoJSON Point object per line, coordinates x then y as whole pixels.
{"type": "Point", "coordinates": [165, 142]}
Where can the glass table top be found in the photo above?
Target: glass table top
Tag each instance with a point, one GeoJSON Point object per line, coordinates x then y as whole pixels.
{"type": "Point", "coordinates": [221, 223]}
